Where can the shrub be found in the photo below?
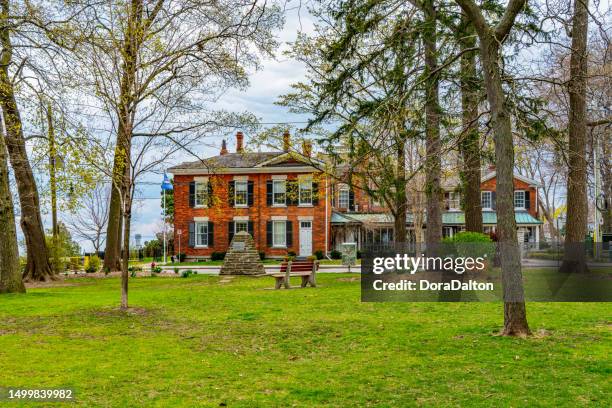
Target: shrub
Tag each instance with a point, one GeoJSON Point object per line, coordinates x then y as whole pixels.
{"type": "Point", "coordinates": [182, 256]}
{"type": "Point", "coordinates": [133, 270]}
{"type": "Point", "coordinates": [93, 264]}
{"type": "Point", "coordinates": [176, 270]}
{"type": "Point", "coordinates": [358, 254]}
{"type": "Point", "coordinates": [187, 273]}
{"type": "Point", "coordinates": [335, 254]}
{"type": "Point", "coordinates": [319, 254]}
{"type": "Point", "coordinates": [470, 244]}
{"type": "Point", "coordinates": [75, 263]}
{"type": "Point", "coordinates": [291, 253]}
{"type": "Point", "coordinates": [262, 255]}
{"type": "Point", "coordinates": [217, 256]}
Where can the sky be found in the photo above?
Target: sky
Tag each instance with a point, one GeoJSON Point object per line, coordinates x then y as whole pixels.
{"type": "Point", "coordinates": [273, 79]}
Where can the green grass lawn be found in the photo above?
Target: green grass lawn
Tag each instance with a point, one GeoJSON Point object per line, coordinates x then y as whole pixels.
{"type": "Point", "coordinates": [210, 341]}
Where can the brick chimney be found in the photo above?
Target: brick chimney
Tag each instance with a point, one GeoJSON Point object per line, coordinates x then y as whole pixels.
{"type": "Point", "coordinates": [307, 148]}
{"type": "Point", "coordinates": [239, 142]}
{"type": "Point", "coordinates": [223, 148]}
{"type": "Point", "coordinates": [286, 141]}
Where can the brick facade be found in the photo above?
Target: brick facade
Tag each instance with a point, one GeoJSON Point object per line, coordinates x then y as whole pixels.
{"type": "Point", "coordinates": [519, 185]}
{"type": "Point", "coordinates": [221, 213]}
{"type": "Point", "coordinates": [258, 170]}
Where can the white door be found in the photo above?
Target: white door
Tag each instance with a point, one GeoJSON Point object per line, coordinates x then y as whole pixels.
{"type": "Point", "coordinates": [305, 238]}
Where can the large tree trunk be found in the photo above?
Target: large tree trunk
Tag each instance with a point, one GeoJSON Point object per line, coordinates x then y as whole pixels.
{"type": "Point", "coordinates": [126, 108]}
{"type": "Point", "coordinates": [38, 266]}
{"type": "Point", "coordinates": [606, 178]}
{"type": "Point", "coordinates": [577, 207]}
{"type": "Point", "coordinates": [10, 275]}
{"type": "Point", "coordinates": [469, 144]}
{"type": "Point", "coordinates": [401, 200]}
{"type": "Point", "coordinates": [433, 161]}
{"type": "Point", "coordinates": [491, 39]}
{"type": "Point", "coordinates": [515, 315]}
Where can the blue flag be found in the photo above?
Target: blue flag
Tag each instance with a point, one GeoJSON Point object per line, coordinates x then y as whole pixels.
{"type": "Point", "coordinates": [166, 184]}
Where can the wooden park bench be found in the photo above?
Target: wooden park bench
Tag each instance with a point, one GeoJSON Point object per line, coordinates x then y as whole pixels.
{"type": "Point", "coordinates": [306, 269]}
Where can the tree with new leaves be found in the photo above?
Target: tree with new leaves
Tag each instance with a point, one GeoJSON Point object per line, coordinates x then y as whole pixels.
{"type": "Point", "coordinates": [154, 67]}
{"type": "Point", "coordinates": [16, 30]}
{"type": "Point", "coordinates": [154, 64]}
{"type": "Point", "coordinates": [491, 38]}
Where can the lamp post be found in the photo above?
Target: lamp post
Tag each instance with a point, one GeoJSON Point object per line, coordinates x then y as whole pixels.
{"type": "Point", "coordinates": [179, 233]}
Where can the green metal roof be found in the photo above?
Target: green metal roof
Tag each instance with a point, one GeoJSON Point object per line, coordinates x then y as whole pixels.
{"type": "Point", "coordinates": [448, 218]}
{"type": "Point", "coordinates": [488, 218]}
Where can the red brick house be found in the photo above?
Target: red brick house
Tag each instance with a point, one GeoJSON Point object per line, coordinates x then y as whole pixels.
{"type": "Point", "coordinates": [278, 197]}
{"type": "Point", "coordinates": [286, 203]}
{"type": "Point", "coordinates": [358, 218]}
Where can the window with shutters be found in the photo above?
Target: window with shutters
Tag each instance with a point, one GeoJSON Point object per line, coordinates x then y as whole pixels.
{"type": "Point", "coordinates": [453, 201]}
{"type": "Point", "coordinates": [201, 234]}
{"type": "Point", "coordinates": [279, 190]}
{"type": "Point", "coordinates": [201, 194]}
{"type": "Point", "coordinates": [306, 192]}
{"type": "Point", "coordinates": [241, 226]}
{"type": "Point", "coordinates": [486, 202]}
{"type": "Point", "coordinates": [519, 200]}
{"type": "Point", "coordinates": [279, 233]}
{"type": "Point", "coordinates": [240, 194]}
{"type": "Point", "coordinates": [343, 196]}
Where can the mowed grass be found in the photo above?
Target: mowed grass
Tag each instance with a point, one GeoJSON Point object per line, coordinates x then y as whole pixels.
{"type": "Point", "coordinates": [210, 341]}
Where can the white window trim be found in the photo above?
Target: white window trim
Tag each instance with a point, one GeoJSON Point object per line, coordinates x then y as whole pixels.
{"type": "Point", "coordinates": [341, 188]}
{"type": "Point", "coordinates": [246, 183]}
{"type": "Point", "coordinates": [490, 200]}
{"type": "Point", "coordinates": [300, 203]}
{"type": "Point", "coordinates": [274, 244]}
{"type": "Point", "coordinates": [236, 222]}
{"type": "Point", "coordinates": [274, 183]}
{"type": "Point", "coordinates": [196, 234]}
{"type": "Point", "coordinates": [457, 200]}
{"type": "Point", "coordinates": [514, 200]}
{"type": "Point", "coordinates": [198, 183]}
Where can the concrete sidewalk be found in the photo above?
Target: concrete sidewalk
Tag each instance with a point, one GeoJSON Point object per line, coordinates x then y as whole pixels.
{"type": "Point", "coordinates": [214, 269]}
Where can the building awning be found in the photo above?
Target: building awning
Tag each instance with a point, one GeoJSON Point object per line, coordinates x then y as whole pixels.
{"type": "Point", "coordinates": [448, 218]}
{"type": "Point", "coordinates": [488, 218]}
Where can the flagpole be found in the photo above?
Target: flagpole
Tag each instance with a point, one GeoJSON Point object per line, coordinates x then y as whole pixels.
{"type": "Point", "coordinates": [164, 221]}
